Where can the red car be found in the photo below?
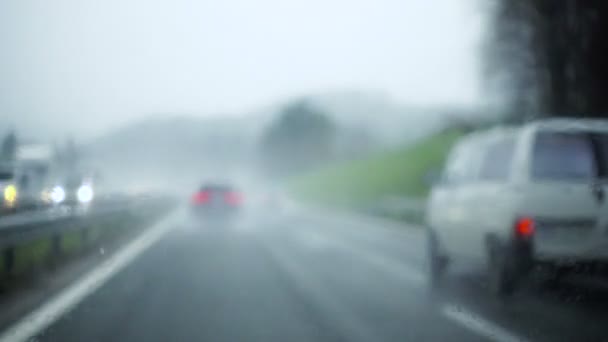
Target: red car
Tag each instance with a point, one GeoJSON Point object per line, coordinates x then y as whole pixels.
{"type": "Point", "coordinates": [216, 201]}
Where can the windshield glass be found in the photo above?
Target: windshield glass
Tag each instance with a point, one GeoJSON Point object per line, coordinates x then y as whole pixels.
{"type": "Point", "coordinates": [303, 170]}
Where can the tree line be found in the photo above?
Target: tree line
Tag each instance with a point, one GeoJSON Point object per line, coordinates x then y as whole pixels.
{"type": "Point", "coordinates": [67, 154]}
{"type": "Point", "coordinates": [548, 58]}
{"type": "Point", "coordinates": [301, 137]}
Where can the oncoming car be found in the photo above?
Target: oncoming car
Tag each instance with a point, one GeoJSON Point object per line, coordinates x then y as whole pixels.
{"type": "Point", "coordinates": [516, 198]}
{"type": "Point", "coordinates": [71, 192]}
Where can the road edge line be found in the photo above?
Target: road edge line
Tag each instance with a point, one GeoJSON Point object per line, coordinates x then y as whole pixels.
{"type": "Point", "coordinates": [477, 324]}
{"type": "Point", "coordinates": [52, 310]}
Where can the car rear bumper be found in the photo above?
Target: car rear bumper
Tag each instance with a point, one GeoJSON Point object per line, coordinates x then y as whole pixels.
{"type": "Point", "coordinates": [214, 211]}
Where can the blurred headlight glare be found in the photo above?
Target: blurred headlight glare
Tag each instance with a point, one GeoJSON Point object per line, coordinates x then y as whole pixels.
{"type": "Point", "coordinates": [58, 194]}
{"type": "Point", "coordinates": [10, 195]}
{"type": "Point", "coordinates": [85, 194]}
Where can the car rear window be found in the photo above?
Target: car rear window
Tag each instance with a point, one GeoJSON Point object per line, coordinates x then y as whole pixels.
{"type": "Point", "coordinates": [563, 156]}
{"type": "Point", "coordinates": [216, 188]}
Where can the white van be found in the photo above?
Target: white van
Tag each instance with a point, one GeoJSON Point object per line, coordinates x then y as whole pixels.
{"type": "Point", "coordinates": [513, 198]}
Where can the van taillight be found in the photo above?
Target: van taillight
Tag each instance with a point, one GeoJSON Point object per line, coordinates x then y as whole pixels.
{"type": "Point", "coordinates": [524, 227]}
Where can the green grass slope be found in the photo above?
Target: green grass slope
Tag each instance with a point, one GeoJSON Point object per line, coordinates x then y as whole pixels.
{"type": "Point", "coordinates": [398, 172]}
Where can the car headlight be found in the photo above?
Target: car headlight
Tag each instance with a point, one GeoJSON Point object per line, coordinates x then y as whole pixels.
{"type": "Point", "coordinates": [57, 194]}
{"type": "Point", "coordinates": [10, 195]}
{"type": "Point", "coordinates": [85, 194]}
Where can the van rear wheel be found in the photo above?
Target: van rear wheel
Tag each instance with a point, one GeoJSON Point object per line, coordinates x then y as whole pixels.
{"type": "Point", "coordinates": [502, 273]}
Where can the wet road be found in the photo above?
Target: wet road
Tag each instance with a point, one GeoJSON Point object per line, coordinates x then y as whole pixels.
{"type": "Point", "coordinates": [309, 276]}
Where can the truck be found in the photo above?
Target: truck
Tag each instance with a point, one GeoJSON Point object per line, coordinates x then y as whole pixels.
{"type": "Point", "coordinates": [31, 172]}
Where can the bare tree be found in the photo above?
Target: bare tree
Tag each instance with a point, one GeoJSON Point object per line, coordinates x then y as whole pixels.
{"type": "Point", "coordinates": [9, 147]}
{"type": "Point", "coordinates": [548, 57]}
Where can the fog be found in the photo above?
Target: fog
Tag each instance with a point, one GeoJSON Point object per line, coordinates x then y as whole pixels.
{"type": "Point", "coordinates": [303, 170]}
{"type": "Point", "coordinates": [157, 90]}
{"type": "Point", "coordinates": [88, 67]}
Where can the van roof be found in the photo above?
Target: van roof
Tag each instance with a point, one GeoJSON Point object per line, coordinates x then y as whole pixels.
{"type": "Point", "coordinates": [568, 124]}
{"type": "Point", "coordinates": [542, 124]}
{"type": "Point", "coordinates": [491, 133]}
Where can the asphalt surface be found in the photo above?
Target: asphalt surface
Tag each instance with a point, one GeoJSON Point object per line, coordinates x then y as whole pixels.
{"type": "Point", "coordinates": [306, 275]}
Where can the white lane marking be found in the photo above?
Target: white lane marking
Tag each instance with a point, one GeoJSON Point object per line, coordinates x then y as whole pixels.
{"type": "Point", "coordinates": [43, 317]}
{"type": "Point", "coordinates": [478, 325]}
{"type": "Point", "coordinates": [312, 286]}
{"type": "Point", "coordinates": [313, 240]}
{"type": "Point", "coordinates": [389, 226]}
{"type": "Point", "coordinates": [403, 271]}
{"type": "Point", "coordinates": [400, 270]}
{"type": "Point", "coordinates": [458, 314]}
{"type": "Point", "coordinates": [412, 276]}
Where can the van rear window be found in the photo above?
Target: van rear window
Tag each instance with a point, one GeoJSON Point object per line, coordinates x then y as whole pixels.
{"type": "Point", "coordinates": [563, 156]}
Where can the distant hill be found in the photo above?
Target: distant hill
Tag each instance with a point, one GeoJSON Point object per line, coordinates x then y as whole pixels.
{"type": "Point", "coordinates": [173, 149]}
{"type": "Point", "coordinates": [178, 147]}
{"type": "Point", "coordinates": [370, 122]}
{"type": "Point", "coordinates": [390, 122]}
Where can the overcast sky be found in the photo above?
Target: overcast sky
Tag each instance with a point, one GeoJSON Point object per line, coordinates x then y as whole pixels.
{"type": "Point", "coordinates": [96, 64]}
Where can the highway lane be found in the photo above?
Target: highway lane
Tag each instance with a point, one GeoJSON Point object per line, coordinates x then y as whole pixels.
{"type": "Point", "coordinates": [303, 277]}
{"type": "Point", "coordinates": [570, 311]}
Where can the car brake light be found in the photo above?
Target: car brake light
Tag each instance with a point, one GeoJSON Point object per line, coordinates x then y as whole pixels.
{"type": "Point", "coordinates": [233, 198]}
{"type": "Point", "coordinates": [524, 227]}
{"type": "Point", "coordinates": [201, 197]}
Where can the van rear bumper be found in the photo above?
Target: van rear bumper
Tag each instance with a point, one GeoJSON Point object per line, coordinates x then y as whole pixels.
{"type": "Point", "coordinates": [589, 252]}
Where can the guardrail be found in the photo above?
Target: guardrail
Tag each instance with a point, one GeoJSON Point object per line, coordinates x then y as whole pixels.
{"type": "Point", "coordinates": [25, 227]}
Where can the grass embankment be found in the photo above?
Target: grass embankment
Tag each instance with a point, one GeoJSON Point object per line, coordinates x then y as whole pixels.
{"type": "Point", "coordinates": [357, 184]}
